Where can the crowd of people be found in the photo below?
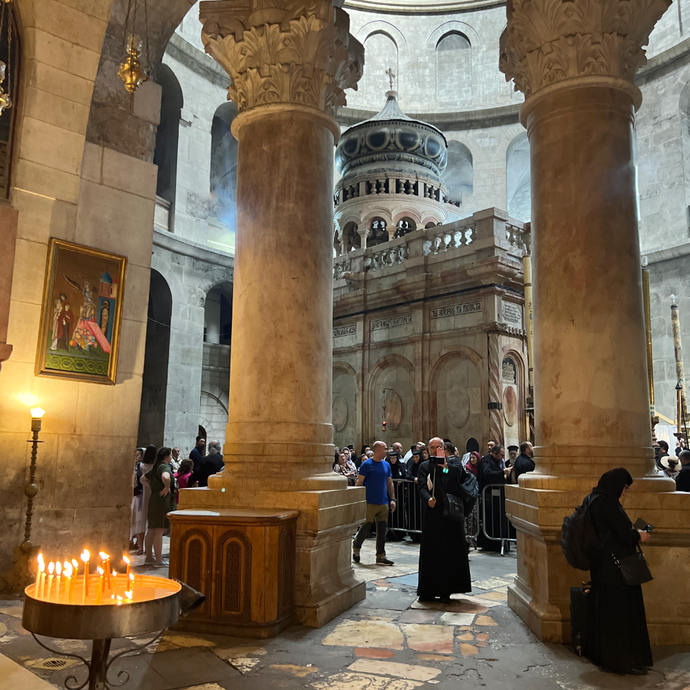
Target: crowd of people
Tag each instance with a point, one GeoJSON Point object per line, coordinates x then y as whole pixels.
{"type": "Point", "coordinates": [159, 474]}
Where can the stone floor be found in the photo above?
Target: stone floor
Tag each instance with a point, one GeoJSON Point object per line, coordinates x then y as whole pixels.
{"type": "Point", "coordinates": [387, 642]}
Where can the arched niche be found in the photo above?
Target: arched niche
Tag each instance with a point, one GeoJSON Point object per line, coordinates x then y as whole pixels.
{"type": "Point", "coordinates": [404, 226]}
{"type": "Point", "coordinates": [378, 234]}
{"type": "Point", "coordinates": [513, 398]}
{"type": "Point", "coordinates": [156, 355]}
{"type": "Point", "coordinates": [344, 405]}
{"type": "Point", "coordinates": [223, 182]}
{"type": "Point", "coordinates": [381, 49]}
{"type": "Point", "coordinates": [351, 238]}
{"type": "Point", "coordinates": [453, 57]}
{"type": "Point", "coordinates": [391, 399]}
{"type": "Point", "coordinates": [218, 315]}
{"type": "Point", "coordinates": [518, 190]}
{"type": "Point", "coordinates": [167, 136]}
{"type": "Point", "coordinates": [459, 175]}
{"type": "Point", "coordinates": [456, 394]}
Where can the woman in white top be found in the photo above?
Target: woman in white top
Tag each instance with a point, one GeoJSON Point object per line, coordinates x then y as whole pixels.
{"type": "Point", "coordinates": [140, 500]}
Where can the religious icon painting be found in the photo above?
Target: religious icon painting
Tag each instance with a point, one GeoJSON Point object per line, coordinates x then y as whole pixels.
{"type": "Point", "coordinates": [81, 315]}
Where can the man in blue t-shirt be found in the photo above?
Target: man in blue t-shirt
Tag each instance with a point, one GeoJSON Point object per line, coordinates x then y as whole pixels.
{"type": "Point", "coordinates": [375, 476]}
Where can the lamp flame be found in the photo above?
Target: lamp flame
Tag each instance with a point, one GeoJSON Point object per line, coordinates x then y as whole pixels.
{"type": "Point", "coordinates": [37, 413]}
{"type": "Point", "coordinates": [58, 568]}
{"type": "Point", "coordinates": [41, 563]}
{"type": "Point", "coordinates": [85, 556]}
{"type": "Point", "coordinates": [126, 560]}
{"type": "Point", "coordinates": [67, 569]}
{"type": "Point", "coordinates": [51, 568]}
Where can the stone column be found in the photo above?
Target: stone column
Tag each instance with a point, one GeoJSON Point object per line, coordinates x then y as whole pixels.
{"type": "Point", "coordinates": [575, 62]}
{"type": "Point", "coordinates": [495, 397]}
{"type": "Point", "coordinates": [289, 63]}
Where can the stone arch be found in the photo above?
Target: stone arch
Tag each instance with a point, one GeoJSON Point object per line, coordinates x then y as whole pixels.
{"type": "Point", "coordinates": [154, 387]}
{"type": "Point", "coordinates": [452, 26]}
{"type": "Point", "coordinates": [518, 180]}
{"type": "Point", "coordinates": [345, 404]}
{"type": "Point", "coordinates": [431, 219]}
{"type": "Point", "coordinates": [351, 238]}
{"type": "Point", "coordinates": [383, 43]}
{"type": "Point", "coordinates": [411, 213]}
{"type": "Point", "coordinates": [167, 136]}
{"type": "Point", "coordinates": [458, 177]}
{"type": "Point", "coordinates": [223, 180]}
{"type": "Point", "coordinates": [376, 212]}
{"type": "Point", "coordinates": [519, 428]}
{"type": "Point", "coordinates": [398, 372]}
{"type": "Point", "coordinates": [453, 71]}
{"type": "Point", "coordinates": [455, 398]}
{"type": "Point", "coordinates": [218, 314]}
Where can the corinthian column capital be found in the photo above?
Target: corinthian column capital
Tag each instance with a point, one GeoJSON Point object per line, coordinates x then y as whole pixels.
{"type": "Point", "coordinates": [554, 44]}
{"type": "Point", "coordinates": [283, 52]}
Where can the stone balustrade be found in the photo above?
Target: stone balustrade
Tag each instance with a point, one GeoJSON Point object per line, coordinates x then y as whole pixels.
{"type": "Point", "coordinates": [486, 233]}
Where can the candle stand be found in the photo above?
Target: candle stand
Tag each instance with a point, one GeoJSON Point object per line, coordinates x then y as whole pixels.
{"type": "Point", "coordinates": [153, 608]}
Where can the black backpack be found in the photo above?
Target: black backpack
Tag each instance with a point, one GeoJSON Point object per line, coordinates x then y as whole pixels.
{"type": "Point", "coordinates": [470, 491]}
{"type": "Point", "coordinates": [578, 536]}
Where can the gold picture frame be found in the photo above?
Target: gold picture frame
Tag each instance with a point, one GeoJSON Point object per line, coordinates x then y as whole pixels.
{"type": "Point", "coordinates": [81, 313]}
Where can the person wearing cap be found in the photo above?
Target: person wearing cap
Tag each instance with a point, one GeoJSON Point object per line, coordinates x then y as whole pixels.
{"type": "Point", "coordinates": [683, 477]}
{"type": "Point", "coordinates": [524, 462]}
{"type": "Point", "coordinates": [512, 455]}
{"type": "Point", "coordinates": [670, 465]}
{"type": "Point", "coordinates": [198, 452]}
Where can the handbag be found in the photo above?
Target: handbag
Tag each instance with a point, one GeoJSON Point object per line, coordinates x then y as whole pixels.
{"type": "Point", "coordinates": [453, 508]}
{"type": "Point", "coordinates": [634, 569]}
{"type": "Point", "coordinates": [470, 491]}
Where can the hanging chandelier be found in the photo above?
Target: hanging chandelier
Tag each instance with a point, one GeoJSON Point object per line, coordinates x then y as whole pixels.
{"type": "Point", "coordinates": [5, 68]}
{"type": "Point", "coordinates": [132, 71]}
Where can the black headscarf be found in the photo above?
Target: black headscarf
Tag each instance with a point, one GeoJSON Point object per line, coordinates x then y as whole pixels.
{"type": "Point", "coordinates": [613, 482]}
{"type": "Point", "coordinates": [472, 444]}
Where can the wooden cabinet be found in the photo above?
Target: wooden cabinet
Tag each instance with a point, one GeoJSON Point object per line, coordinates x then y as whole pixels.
{"type": "Point", "coordinates": [243, 561]}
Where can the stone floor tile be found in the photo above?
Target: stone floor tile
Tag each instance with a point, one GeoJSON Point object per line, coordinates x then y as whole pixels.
{"type": "Point", "coordinates": [468, 649]}
{"type": "Point", "coordinates": [299, 671]}
{"type": "Point", "coordinates": [183, 667]}
{"type": "Point", "coordinates": [419, 616]}
{"type": "Point", "coordinates": [363, 633]}
{"type": "Point", "coordinates": [485, 621]}
{"type": "Point", "coordinates": [363, 681]}
{"type": "Point", "coordinates": [497, 596]}
{"type": "Point", "coordinates": [453, 618]}
{"type": "Point", "coordinates": [394, 668]}
{"type": "Point", "coordinates": [428, 638]}
{"type": "Point", "coordinates": [371, 653]}
{"type": "Point", "coordinates": [434, 657]}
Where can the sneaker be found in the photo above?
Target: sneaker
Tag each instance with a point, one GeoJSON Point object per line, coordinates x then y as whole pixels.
{"type": "Point", "coordinates": [355, 556]}
{"type": "Point", "coordinates": [382, 560]}
{"type": "Point", "coordinates": [162, 564]}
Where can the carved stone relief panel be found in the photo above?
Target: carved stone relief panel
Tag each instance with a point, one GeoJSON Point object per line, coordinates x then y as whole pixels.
{"type": "Point", "coordinates": [458, 401]}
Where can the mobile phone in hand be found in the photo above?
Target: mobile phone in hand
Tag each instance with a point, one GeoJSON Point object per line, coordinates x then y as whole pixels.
{"type": "Point", "coordinates": [643, 525]}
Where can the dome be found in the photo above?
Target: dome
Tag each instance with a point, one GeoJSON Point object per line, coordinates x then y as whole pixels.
{"type": "Point", "coordinates": [391, 136]}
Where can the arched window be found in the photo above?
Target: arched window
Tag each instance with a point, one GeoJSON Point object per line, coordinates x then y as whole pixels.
{"type": "Point", "coordinates": [223, 216]}
{"type": "Point", "coordinates": [218, 315]}
{"type": "Point", "coordinates": [518, 178]}
{"type": "Point", "coordinates": [167, 136]}
{"type": "Point", "coordinates": [351, 238]}
{"type": "Point", "coordinates": [403, 226]}
{"type": "Point", "coordinates": [377, 232]}
{"type": "Point", "coordinates": [459, 176]}
{"type": "Point", "coordinates": [453, 70]}
{"type": "Point", "coordinates": [382, 54]}
{"type": "Point", "coordinates": [10, 52]}
{"type": "Point", "coordinates": [154, 385]}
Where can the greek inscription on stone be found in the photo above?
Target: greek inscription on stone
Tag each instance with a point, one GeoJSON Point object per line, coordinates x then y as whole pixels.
{"type": "Point", "coordinates": [512, 313]}
{"type": "Point", "coordinates": [456, 310]}
{"type": "Point", "coordinates": [342, 331]}
{"type": "Point", "coordinates": [391, 322]}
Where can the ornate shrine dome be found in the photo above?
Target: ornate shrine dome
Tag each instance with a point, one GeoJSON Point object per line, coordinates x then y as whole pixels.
{"type": "Point", "coordinates": [389, 137]}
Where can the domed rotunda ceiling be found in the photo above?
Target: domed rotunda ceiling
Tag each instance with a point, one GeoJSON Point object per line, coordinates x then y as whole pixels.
{"type": "Point", "coordinates": [420, 6]}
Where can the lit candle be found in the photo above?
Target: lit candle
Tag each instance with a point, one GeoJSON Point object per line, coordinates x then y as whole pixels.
{"type": "Point", "coordinates": [58, 571]}
{"type": "Point", "coordinates": [41, 582]}
{"type": "Point", "coordinates": [75, 573]}
{"type": "Point", "coordinates": [105, 563]}
{"type": "Point", "coordinates": [85, 558]}
{"type": "Point", "coordinates": [51, 569]}
{"type": "Point", "coordinates": [114, 579]}
{"type": "Point", "coordinates": [129, 596]}
{"type": "Point", "coordinates": [99, 587]}
{"type": "Point", "coordinates": [131, 583]}
{"type": "Point", "coordinates": [119, 600]}
{"type": "Point", "coordinates": [67, 571]}
{"type": "Point", "coordinates": [127, 561]}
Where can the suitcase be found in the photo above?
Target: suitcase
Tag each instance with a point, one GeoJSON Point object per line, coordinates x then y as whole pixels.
{"type": "Point", "coordinates": [579, 602]}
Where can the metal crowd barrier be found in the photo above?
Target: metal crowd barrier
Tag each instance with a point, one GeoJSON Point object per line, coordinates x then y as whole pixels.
{"type": "Point", "coordinates": [493, 496]}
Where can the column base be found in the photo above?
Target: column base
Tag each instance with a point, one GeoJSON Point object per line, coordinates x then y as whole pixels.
{"type": "Point", "coordinates": [325, 582]}
{"type": "Point", "coordinates": [540, 594]}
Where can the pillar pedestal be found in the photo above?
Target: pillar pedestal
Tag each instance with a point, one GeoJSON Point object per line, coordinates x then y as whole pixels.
{"type": "Point", "coordinates": [590, 369]}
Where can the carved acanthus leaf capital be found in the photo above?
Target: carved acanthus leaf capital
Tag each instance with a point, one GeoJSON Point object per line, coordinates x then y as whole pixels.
{"type": "Point", "coordinates": [550, 41]}
{"type": "Point", "coordinates": [289, 52]}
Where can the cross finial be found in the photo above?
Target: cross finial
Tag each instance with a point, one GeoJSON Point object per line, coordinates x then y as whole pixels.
{"type": "Point", "coordinates": [391, 76]}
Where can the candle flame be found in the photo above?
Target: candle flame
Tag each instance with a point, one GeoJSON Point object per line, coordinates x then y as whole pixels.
{"type": "Point", "coordinates": [131, 577]}
{"type": "Point", "coordinates": [85, 556]}
{"type": "Point", "coordinates": [125, 559]}
{"type": "Point", "coordinates": [41, 563]}
{"type": "Point", "coordinates": [114, 573]}
{"type": "Point", "coordinates": [129, 595]}
{"type": "Point", "coordinates": [99, 571]}
{"type": "Point", "coordinates": [51, 567]}
{"type": "Point", "coordinates": [58, 568]}
{"type": "Point", "coordinates": [104, 556]}
{"type": "Point", "coordinates": [75, 563]}
{"type": "Point", "coordinates": [68, 569]}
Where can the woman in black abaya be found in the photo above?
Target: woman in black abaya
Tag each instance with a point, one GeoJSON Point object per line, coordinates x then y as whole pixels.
{"type": "Point", "coordinates": [617, 627]}
{"type": "Point", "coordinates": [444, 568]}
